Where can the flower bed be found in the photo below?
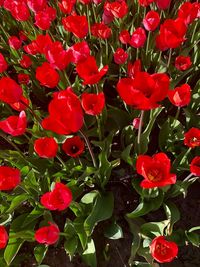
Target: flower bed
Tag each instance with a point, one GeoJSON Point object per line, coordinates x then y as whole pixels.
{"type": "Point", "coordinates": [99, 132]}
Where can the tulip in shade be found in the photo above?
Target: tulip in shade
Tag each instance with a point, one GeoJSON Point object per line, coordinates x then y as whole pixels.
{"type": "Point", "coordinates": [23, 78]}
{"type": "Point", "coordinates": [47, 235]}
{"type": "Point", "coordinates": [93, 104]}
{"type": "Point", "coordinates": [58, 199]}
{"type": "Point", "coordinates": [14, 125]}
{"type": "Point", "coordinates": [79, 51]}
{"type": "Point", "coordinates": [88, 71]}
{"type": "Point", "coordinates": [145, 3]}
{"type": "Point", "coordinates": [195, 166]}
{"type": "Point", "coordinates": [134, 68]}
{"type": "Point", "coordinates": [3, 237]}
{"type": "Point", "coordinates": [73, 146]}
{"type": "Point", "coordinates": [180, 96]}
{"type": "Point", "coordinates": [124, 37]}
{"type": "Point", "coordinates": [182, 63]}
{"type": "Point", "coordinates": [46, 147]}
{"type": "Point", "coordinates": [163, 4]}
{"type": "Point", "coordinates": [9, 178]}
{"type": "Point", "coordinates": [120, 56]}
{"type": "Point", "coordinates": [37, 5]}
{"type": "Point", "coordinates": [101, 30]}
{"type": "Point", "coordinates": [163, 250]}
{"type": "Point", "coordinates": [155, 170]}
{"type": "Point", "coordinates": [192, 137]}
{"type": "Point", "coordinates": [10, 91]}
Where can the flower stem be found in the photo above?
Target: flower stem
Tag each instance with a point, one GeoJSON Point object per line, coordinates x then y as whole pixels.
{"type": "Point", "coordinates": [140, 129]}
{"type": "Point", "coordinates": [11, 143]}
{"type": "Point", "coordinates": [169, 58]}
{"type": "Point", "coordinates": [89, 147]}
{"type": "Point", "coordinates": [148, 40]}
{"type": "Point", "coordinates": [188, 177]}
{"type": "Point", "coordinates": [177, 113]}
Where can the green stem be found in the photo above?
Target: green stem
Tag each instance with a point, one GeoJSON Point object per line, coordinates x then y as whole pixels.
{"type": "Point", "coordinates": [93, 9]}
{"type": "Point", "coordinates": [89, 148]}
{"type": "Point", "coordinates": [193, 33]}
{"type": "Point", "coordinates": [61, 161]}
{"type": "Point", "coordinates": [188, 177]}
{"type": "Point", "coordinates": [148, 40]}
{"type": "Point", "coordinates": [140, 129]}
{"type": "Point", "coordinates": [177, 113]}
{"type": "Point", "coordinates": [88, 19]}
{"type": "Point", "coordinates": [169, 59]}
{"type": "Point", "coordinates": [11, 143]}
{"type": "Point", "coordinates": [99, 127]}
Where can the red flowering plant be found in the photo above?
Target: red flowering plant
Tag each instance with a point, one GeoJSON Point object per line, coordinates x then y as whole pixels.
{"type": "Point", "coordinates": [99, 130]}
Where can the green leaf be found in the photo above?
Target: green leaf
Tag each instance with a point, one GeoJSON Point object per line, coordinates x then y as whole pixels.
{"type": "Point", "coordinates": [70, 246]}
{"type": "Point", "coordinates": [102, 210]}
{"type": "Point", "coordinates": [146, 206]}
{"type": "Point", "coordinates": [80, 230]}
{"type": "Point", "coordinates": [89, 197]}
{"type": "Point", "coordinates": [126, 155]}
{"type": "Point", "coordinates": [32, 216]}
{"type": "Point", "coordinates": [40, 252]}
{"type": "Point", "coordinates": [153, 229]}
{"type": "Point", "coordinates": [193, 238]}
{"type": "Point", "coordinates": [89, 255]}
{"type": "Point", "coordinates": [113, 231]}
{"type": "Point", "coordinates": [17, 201]}
{"type": "Point", "coordinates": [12, 249]}
{"type": "Point", "coordinates": [173, 215]}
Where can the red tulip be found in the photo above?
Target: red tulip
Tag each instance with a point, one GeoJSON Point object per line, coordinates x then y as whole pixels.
{"type": "Point", "coordinates": [93, 104]}
{"type": "Point", "coordinates": [101, 30]}
{"type": "Point", "coordinates": [9, 178]}
{"type": "Point", "coordinates": [47, 76]}
{"type": "Point", "coordinates": [171, 35]}
{"type": "Point", "coordinates": [138, 38]}
{"type": "Point", "coordinates": [120, 56]}
{"type": "Point", "coordinates": [180, 96]}
{"type": "Point", "coordinates": [44, 18]}
{"type": "Point", "coordinates": [37, 5]}
{"type": "Point", "coordinates": [163, 250]}
{"type": "Point", "coordinates": [58, 199]}
{"type": "Point", "coordinates": [182, 63]}
{"type": "Point", "coordinates": [3, 237]}
{"type": "Point", "coordinates": [21, 105]}
{"type": "Point", "coordinates": [14, 125]}
{"type": "Point", "coordinates": [136, 123]}
{"type": "Point", "coordinates": [144, 91]}
{"type": "Point", "coordinates": [43, 43]}
{"type": "Point", "coordinates": [73, 146]}
{"type": "Point", "coordinates": [80, 51]}
{"type": "Point", "coordinates": [192, 137]}
{"type": "Point", "coordinates": [25, 62]}
{"type": "Point", "coordinates": [145, 3]}
{"type": "Point", "coordinates": [134, 68]}
{"type": "Point", "coordinates": [88, 71]}
{"type": "Point", "coordinates": [46, 147]}
{"type": "Point", "coordinates": [118, 9]}
{"type": "Point", "coordinates": [124, 37]}
{"type": "Point", "coordinates": [66, 119]}
{"type": "Point", "coordinates": [3, 64]}
{"type": "Point", "coordinates": [72, 24]}
{"type": "Point", "coordinates": [195, 166]}
{"type": "Point", "coordinates": [163, 4]}
{"type": "Point", "coordinates": [66, 6]}
{"type": "Point", "coordinates": [23, 78]}
{"type": "Point", "coordinates": [155, 170]}
{"type": "Point", "coordinates": [19, 10]}
{"type": "Point", "coordinates": [188, 12]}
{"type": "Point", "coordinates": [151, 20]}
{"type": "Point", "coordinates": [14, 42]}
{"type": "Point", "coordinates": [10, 91]}
{"type": "Point", "coordinates": [47, 235]}
{"type": "Point", "coordinates": [57, 56]}
{"type": "Point", "coordinates": [31, 49]}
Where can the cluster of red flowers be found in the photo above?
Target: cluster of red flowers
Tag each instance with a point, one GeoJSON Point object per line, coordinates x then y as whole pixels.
{"type": "Point", "coordinates": [142, 90]}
